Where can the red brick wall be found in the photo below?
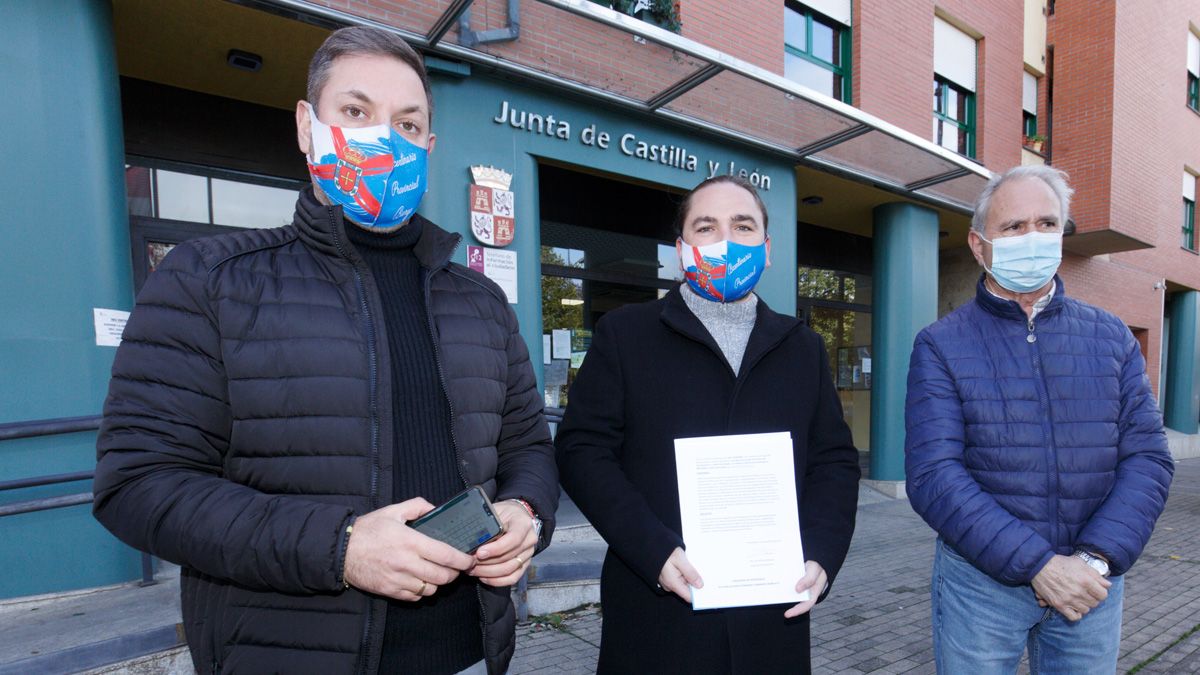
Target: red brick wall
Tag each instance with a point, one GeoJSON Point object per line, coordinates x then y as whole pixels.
{"type": "Point", "coordinates": [1121, 126]}
{"type": "Point", "coordinates": [893, 68]}
{"type": "Point", "coordinates": [1082, 36]}
{"type": "Point", "coordinates": [893, 62]}
{"type": "Point", "coordinates": [552, 40]}
{"type": "Point", "coordinates": [1155, 135]}
{"type": "Point", "coordinates": [751, 30]}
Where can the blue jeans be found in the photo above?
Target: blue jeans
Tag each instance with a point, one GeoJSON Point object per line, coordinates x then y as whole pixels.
{"type": "Point", "coordinates": [981, 626]}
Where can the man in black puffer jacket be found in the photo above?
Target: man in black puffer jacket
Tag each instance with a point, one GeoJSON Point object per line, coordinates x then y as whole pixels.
{"type": "Point", "coordinates": [285, 400]}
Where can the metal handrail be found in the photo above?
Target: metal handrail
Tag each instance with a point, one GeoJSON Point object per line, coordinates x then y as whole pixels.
{"type": "Point", "coordinates": [48, 427]}
{"type": "Point", "coordinates": [60, 425]}
{"type": "Point", "coordinates": [51, 427]}
{"type": "Point", "coordinates": [50, 479]}
{"type": "Point", "coordinates": [45, 504]}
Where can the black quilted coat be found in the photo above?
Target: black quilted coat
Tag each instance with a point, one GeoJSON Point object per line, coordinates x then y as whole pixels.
{"type": "Point", "coordinates": [249, 401]}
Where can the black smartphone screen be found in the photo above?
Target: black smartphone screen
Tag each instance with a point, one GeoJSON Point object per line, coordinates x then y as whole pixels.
{"type": "Point", "coordinates": [465, 522]}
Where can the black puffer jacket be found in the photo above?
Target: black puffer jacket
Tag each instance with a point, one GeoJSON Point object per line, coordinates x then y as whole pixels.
{"type": "Point", "coordinates": [249, 400]}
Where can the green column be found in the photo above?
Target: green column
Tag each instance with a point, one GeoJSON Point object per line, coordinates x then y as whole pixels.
{"type": "Point", "coordinates": [1183, 376]}
{"type": "Point", "coordinates": [66, 251]}
{"type": "Point", "coordinates": [905, 285]}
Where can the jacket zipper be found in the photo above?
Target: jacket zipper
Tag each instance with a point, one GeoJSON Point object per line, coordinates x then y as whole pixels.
{"type": "Point", "coordinates": [374, 408]}
{"type": "Point", "coordinates": [458, 461]}
{"type": "Point", "coordinates": [1048, 432]}
{"type": "Point", "coordinates": [437, 361]}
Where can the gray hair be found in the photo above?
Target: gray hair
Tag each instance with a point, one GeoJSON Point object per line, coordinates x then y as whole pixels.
{"type": "Point", "coordinates": [1055, 179]}
{"type": "Point", "coordinates": [359, 41]}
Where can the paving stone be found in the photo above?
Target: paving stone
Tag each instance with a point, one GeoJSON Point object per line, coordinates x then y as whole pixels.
{"type": "Point", "coordinates": [901, 666]}
{"type": "Point", "coordinates": [872, 664]}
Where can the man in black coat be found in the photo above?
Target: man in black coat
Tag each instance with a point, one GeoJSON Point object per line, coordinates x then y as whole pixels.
{"type": "Point", "coordinates": [284, 401]}
{"type": "Point", "coordinates": [709, 359]}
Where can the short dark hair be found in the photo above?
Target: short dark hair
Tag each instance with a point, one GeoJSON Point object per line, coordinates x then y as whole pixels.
{"type": "Point", "coordinates": [363, 40]}
{"type": "Point", "coordinates": [684, 206]}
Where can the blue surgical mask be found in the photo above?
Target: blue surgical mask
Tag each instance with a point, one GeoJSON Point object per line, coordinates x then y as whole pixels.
{"type": "Point", "coordinates": [724, 271]}
{"type": "Point", "coordinates": [376, 175]}
{"type": "Point", "coordinates": [1026, 263]}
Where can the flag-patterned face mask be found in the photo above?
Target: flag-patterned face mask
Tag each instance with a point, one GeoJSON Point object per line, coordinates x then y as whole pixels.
{"type": "Point", "coordinates": [723, 271]}
{"type": "Point", "coordinates": [376, 175]}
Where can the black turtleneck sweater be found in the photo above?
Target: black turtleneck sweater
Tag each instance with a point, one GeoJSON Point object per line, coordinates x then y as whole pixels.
{"type": "Point", "coordinates": [442, 633]}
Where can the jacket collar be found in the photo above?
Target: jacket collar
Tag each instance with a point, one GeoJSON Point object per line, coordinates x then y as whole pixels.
{"type": "Point", "coordinates": [323, 228]}
{"type": "Point", "coordinates": [770, 327]}
{"type": "Point", "coordinates": [1010, 309]}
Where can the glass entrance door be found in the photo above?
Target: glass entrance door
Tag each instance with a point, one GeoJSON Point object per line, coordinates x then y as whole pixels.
{"type": "Point", "coordinates": [605, 244]}
{"type": "Point", "coordinates": [847, 335]}
{"type": "Point", "coordinates": [575, 296]}
{"type": "Point", "coordinates": [837, 305]}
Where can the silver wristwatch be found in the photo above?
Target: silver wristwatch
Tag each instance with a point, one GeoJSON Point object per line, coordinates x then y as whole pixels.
{"type": "Point", "coordinates": [1095, 562]}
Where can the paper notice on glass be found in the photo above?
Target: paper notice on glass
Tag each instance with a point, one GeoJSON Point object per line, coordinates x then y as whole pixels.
{"type": "Point", "coordinates": [741, 525]}
{"type": "Point", "coordinates": [561, 341]}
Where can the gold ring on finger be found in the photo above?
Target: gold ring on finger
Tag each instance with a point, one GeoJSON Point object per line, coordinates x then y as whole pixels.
{"type": "Point", "coordinates": [521, 560]}
{"type": "Point", "coordinates": [421, 590]}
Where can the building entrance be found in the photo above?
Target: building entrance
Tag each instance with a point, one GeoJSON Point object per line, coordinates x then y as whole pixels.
{"type": "Point", "coordinates": [834, 298]}
{"type": "Point", "coordinates": [605, 243]}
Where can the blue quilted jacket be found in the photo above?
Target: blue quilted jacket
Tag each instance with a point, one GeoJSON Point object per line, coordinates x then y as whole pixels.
{"type": "Point", "coordinates": [1031, 438]}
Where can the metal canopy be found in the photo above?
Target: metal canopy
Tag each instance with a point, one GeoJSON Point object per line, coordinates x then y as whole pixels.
{"type": "Point", "coordinates": [658, 73]}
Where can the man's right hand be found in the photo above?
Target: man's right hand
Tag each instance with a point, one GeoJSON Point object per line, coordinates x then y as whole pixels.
{"type": "Point", "coordinates": [678, 575]}
{"type": "Point", "coordinates": [1072, 588]}
{"type": "Point", "coordinates": [386, 557]}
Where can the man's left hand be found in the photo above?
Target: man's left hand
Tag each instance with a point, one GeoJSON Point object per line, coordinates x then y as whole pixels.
{"type": "Point", "coordinates": [813, 582]}
{"type": "Point", "coordinates": [1067, 584]}
{"type": "Point", "coordinates": [503, 560]}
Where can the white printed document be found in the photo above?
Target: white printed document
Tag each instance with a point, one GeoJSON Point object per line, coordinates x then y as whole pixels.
{"type": "Point", "coordinates": [741, 525]}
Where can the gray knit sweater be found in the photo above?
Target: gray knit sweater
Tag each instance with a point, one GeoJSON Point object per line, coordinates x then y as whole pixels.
{"type": "Point", "coordinates": [729, 323]}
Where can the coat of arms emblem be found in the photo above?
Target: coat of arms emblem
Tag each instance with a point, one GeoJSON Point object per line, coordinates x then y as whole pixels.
{"type": "Point", "coordinates": [349, 173]}
{"type": "Point", "coordinates": [492, 219]}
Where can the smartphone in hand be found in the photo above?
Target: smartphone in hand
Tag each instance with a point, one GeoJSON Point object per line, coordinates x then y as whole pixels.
{"type": "Point", "coordinates": [466, 522]}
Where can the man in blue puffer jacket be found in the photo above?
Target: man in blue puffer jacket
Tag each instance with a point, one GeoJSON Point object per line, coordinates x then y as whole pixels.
{"type": "Point", "coordinates": [1035, 449]}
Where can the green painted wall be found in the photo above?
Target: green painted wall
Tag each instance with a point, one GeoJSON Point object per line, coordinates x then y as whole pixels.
{"type": "Point", "coordinates": [66, 251]}
{"type": "Point", "coordinates": [1183, 378]}
{"type": "Point", "coordinates": [464, 120]}
{"type": "Point", "coordinates": [906, 292]}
